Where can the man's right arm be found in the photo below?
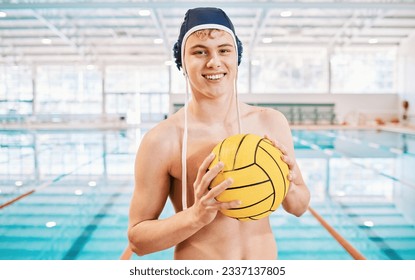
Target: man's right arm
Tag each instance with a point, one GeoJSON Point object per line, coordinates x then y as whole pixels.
{"type": "Point", "coordinates": [148, 234]}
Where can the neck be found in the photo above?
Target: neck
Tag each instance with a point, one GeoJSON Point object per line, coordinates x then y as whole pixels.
{"type": "Point", "coordinates": [221, 110]}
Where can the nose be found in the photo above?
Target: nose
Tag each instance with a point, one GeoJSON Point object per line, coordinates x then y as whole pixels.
{"type": "Point", "coordinates": [214, 61]}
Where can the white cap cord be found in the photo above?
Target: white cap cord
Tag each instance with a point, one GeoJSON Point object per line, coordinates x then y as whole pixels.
{"type": "Point", "coordinates": [185, 132]}
{"type": "Point", "coordinates": [185, 137]}
{"type": "Point", "coordinates": [184, 149]}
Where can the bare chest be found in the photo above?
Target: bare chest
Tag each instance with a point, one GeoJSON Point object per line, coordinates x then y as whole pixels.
{"type": "Point", "coordinates": [200, 144]}
{"type": "Point", "coordinates": [198, 149]}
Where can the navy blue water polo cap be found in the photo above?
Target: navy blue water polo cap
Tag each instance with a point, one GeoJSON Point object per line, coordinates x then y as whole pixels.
{"type": "Point", "coordinates": [204, 18]}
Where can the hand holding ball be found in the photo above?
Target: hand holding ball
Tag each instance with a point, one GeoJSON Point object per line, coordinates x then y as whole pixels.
{"type": "Point", "coordinates": [259, 176]}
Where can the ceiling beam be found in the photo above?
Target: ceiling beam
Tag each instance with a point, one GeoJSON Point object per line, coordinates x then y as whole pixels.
{"type": "Point", "coordinates": [366, 25]}
{"type": "Point", "coordinates": [379, 5]}
{"type": "Point", "coordinates": [57, 32]}
{"type": "Point", "coordinates": [258, 26]}
{"type": "Point", "coordinates": [161, 29]}
{"type": "Point", "coordinates": [341, 30]}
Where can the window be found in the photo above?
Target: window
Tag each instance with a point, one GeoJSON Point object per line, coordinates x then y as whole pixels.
{"type": "Point", "coordinates": [68, 90]}
{"type": "Point", "coordinates": [358, 70]}
{"type": "Point", "coordinates": [290, 70]}
{"type": "Point", "coordinates": [154, 106]}
{"type": "Point", "coordinates": [137, 93]}
{"type": "Point", "coordinates": [16, 94]}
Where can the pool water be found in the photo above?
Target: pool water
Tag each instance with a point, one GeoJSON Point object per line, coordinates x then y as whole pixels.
{"type": "Point", "coordinates": [362, 183]}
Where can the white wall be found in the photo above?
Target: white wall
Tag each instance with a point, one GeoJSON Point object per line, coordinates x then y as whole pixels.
{"type": "Point", "coordinates": [348, 107]}
{"type": "Point", "coordinates": [407, 76]}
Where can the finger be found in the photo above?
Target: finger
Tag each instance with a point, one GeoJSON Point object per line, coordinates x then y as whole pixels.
{"type": "Point", "coordinates": [291, 176]}
{"type": "Point", "coordinates": [277, 144]}
{"type": "Point", "coordinates": [271, 140]}
{"type": "Point", "coordinates": [203, 167]}
{"type": "Point", "coordinates": [281, 147]}
{"type": "Point", "coordinates": [202, 187]}
{"type": "Point", "coordinates": [217, 190]}
{"type": "Point", "coordinates": [230, 204]}
{"type": "Point", "coordinates": [211, 174]}
{"type": "Point", "coordinates": [289, 161]}
{"type": "Point", "coordinates": [217, 205]}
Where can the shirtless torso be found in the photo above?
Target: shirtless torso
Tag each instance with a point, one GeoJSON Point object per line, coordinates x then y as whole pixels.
{"type": "Point", "coordinates": [201, 231]}
{"type": "Point", "coordinates": [223, 238]}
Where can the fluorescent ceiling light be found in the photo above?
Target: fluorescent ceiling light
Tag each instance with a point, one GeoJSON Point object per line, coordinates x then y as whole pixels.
{"type": "Point", "coordinates": [144, 13]}
{"type": "Point", "coordinates": [46, 41]}
{"type": "Point", "coordinates": [286, 13]}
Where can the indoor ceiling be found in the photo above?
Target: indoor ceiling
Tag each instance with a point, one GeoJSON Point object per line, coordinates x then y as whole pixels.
{"type": "Point", "coordinates": [119, 32]}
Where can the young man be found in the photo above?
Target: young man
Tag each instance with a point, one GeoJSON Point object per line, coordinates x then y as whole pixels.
{"type": "Point", "coordinates": [209, 53]}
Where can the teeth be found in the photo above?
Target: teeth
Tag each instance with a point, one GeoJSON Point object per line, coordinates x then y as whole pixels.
{"type": "Point", "coordinates": [214, 77]}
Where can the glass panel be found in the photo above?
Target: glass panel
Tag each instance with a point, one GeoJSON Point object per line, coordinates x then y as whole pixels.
{"type": "Point", "coordinates": [363, 71]}
{"type": "Point", "coordinates": [154, 106]}
{"type": "Point", "coordinates": [123, 106]}
{"type": "Point", "coordinates": [128, 79]}
{"type": "Point", "coordinates": [290, 70]}
{"type": "Point", "coordinates": [16, 94]}
{"type": "Point", "coordinates": [121, 79]}
{"type": "Point", "coordinates": [243, 76]}
{"type": "Point", "coordinates": [68, 90]}
{"type": "Point", "coordinates": [154, 79]}
{"type": "Point", "coordinates": [178, 82]}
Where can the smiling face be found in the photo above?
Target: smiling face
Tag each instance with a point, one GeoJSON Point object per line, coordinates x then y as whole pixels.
{"type": "Point", "coordinates": [210, 59]}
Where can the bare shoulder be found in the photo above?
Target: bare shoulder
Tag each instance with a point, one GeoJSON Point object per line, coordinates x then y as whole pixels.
{"type": "Point", "coordinates": [160, 133]}
{"type": "Point", "coordinates": [273, 114]}
{"type": "Point", "coordinates": [161, 140]}
{"type": "Point", "coordinates": [267, 115]}
{"type": "Point", "coordinates": [267, 121]}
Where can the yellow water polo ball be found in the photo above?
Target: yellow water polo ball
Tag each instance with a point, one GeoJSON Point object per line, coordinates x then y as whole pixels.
{"type": "Point", "coordinates": [258, 172]}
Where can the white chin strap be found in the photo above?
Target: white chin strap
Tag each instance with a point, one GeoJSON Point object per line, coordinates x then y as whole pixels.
{"type": "Point", "coordinates": [185, 136]}
{"type": "Point", "coordinates": [184, 149]}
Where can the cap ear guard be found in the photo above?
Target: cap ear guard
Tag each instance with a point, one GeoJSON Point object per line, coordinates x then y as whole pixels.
{"type": "Point", "coordinates": [240, 49]}
{"type": "Point", "coordinates": [178, 56]}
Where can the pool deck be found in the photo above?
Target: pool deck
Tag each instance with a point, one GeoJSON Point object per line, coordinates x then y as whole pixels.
{"type": "Point", "coordinates": [387, 127]}
{"type": "Point", "coordinates": [410, 128]}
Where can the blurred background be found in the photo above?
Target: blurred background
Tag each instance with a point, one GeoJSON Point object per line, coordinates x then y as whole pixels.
{"type": "Point", "coordinates": [82, 81]}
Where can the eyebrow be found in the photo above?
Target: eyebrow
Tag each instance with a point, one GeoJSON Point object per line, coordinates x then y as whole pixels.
{"type": "Point", "coordinates": [205, 47]}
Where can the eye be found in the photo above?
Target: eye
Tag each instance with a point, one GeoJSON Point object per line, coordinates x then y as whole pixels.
{"type": "Point", "coordinates": [225, 51]}
{"type": "Point", "coordinates": [199, 52]}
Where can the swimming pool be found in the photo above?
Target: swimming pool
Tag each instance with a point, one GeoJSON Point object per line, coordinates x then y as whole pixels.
{"type": "Point", "coordinates": [361, 182]}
